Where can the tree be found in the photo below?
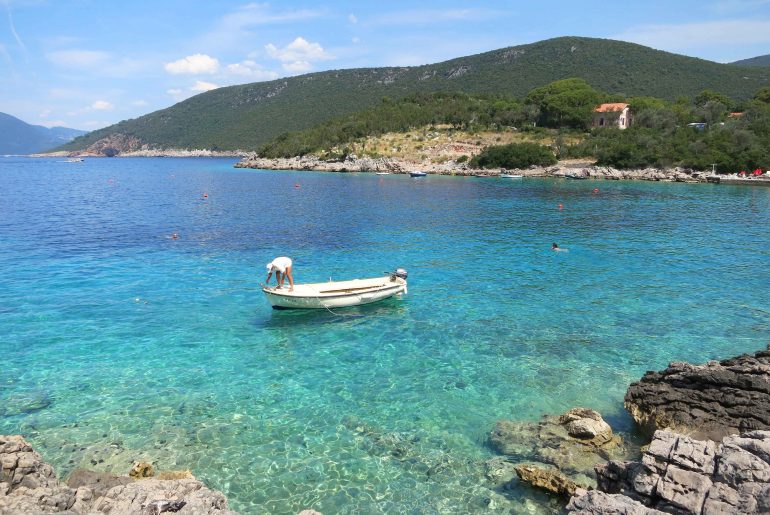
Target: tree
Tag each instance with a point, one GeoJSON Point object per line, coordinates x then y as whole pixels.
{"type": "Point", "coordinates": [707, 95]}
{"type": "Point", "coordinates": [763, 95]}
{"type": "Point", "coordinates": [565, 103]}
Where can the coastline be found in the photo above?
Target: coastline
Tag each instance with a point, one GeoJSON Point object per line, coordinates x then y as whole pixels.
{"type": "Point", "coordinates": [570, 169]}
{"type": "Point", "coordinates": [148, 153]}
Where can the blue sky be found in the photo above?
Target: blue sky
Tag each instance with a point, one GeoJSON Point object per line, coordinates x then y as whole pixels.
{"type": "Point", "coordinates": [87, 64]}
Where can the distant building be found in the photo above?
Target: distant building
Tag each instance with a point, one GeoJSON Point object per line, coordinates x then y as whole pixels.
{"type": "Point", "coordinates": [735, 115]}
{"type": "Point", "coordinates": [612, 115]}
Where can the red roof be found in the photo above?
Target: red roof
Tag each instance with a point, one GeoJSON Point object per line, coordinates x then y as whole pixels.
{"type": "Point", "coordinates": [611, 108]}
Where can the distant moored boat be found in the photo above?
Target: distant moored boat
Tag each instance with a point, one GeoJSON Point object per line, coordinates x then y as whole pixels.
{"type": "Point", "coordinates": [418, 174]}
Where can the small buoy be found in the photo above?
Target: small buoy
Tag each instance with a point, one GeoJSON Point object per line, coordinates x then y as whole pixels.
{"type": "Point", "coordinates": [596, 190]}
{"type": "Point", "coordinates": [296, 185]}
{"type": "Point", "coordinates": [205, 195]}
{"type": "Point", "coordinates": [561, 206]}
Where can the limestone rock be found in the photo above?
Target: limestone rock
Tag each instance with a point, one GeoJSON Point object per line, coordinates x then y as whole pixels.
{"type": "Point", "coordinates": [681, 475]}
{"type": "Point", "coordinates": [573, 442]}
{"type": "Point", "coordinates": [707, 401]}
{"type": "Point", "coordinates": [600, 503]}
{"type": "Point", "coordinates": [29, 485]}
{"type": "Point", "coordinates": [141, 469]}
{"type": "Point", "coordinates": [549, 479]}
{"type": "Point", "coordinates": [112, 145]}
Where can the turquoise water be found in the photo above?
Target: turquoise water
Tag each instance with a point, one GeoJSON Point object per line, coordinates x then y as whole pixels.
{"type": "Point", "coordinates": [120, 343]}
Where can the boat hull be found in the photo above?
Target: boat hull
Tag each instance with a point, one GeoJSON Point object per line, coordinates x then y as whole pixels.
{"type": "Point", "coordinates": [338, 294]}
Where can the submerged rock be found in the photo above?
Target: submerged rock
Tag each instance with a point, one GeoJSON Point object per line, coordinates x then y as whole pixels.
{"type": "Point", "coordinates": [681, 475]}
{"type": "Point", "coordinates": [706, 401]}
{"type": "Point", "coordinates": [574, 442]}
{"type": "Point", "coordinates": [29, 485]}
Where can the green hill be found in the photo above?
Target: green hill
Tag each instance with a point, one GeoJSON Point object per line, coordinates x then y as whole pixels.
{"type": "Point", "coordinates": [762, 60]}
{"type": "Point", "coordinates": [246, 116]}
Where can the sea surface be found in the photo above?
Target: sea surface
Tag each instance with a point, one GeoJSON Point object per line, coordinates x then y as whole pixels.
{"type": "Point", "coordinates": [118, 342]}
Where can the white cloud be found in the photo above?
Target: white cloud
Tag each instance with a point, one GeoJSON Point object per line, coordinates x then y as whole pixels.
{"type": "Point", "coordinates": [356, 40]}
{"type": "Point", "coordinates": [297, 67]}
{"type": "Point", "coordinates": [139, 103]}
{"type": "Point", "coordinates": [236, 29]}
{"type": "Point", "coordinates": [251, 70]}
{"type": "Point", "coordinates": [78, 58]}
{"type": "Point", "coordinates": [102, 105]}
{"type": "Point", "coordinates": [201, 86]}
{"type": "Point", "coordinates": [352, 19]}
{"type": "Point", "coordinates": [298, 50]}
{"type": "Point", "coordinates": [193, 65]}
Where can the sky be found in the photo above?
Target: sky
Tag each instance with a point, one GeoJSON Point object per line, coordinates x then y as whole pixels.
{"type": "Point", "coordinates": [88, 64]}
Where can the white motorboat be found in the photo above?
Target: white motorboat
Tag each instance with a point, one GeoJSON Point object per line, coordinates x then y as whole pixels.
{"type": "Point", "coordinates": [337, 294]}
{"type": "Point", "coordinates": [510, 176]}
{"type": "Point", "coordinates": [382, 173]}
{"type": "Point", "coordinates": [418, 174]}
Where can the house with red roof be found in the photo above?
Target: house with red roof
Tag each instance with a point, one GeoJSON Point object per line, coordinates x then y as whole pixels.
{"type": "Point", "coordinates": [615, 114]}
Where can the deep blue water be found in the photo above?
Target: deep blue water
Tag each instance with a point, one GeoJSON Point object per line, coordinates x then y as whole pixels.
{"type": "Point", "coordinates": [120, 343]}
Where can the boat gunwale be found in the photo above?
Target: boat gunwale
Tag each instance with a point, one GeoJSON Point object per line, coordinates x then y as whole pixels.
{"type": "Point", "coordinates": [326, 295]}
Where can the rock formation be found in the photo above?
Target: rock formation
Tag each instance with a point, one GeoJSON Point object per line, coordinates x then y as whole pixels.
{"type": "Point", "coordinates": [706, 401]}
{"type": "Point", "coordinates": [572, 443]}
{"type": "Point", "coordinates": [547, 479]}
{"type": "Point", "coordinates": [402, 165]}
{"type": "Point", "coordinates": [682, 475]}
{"type": "Point", "coordinates": [29, 485]}
{"type": "Point", "coordinates": [112, 145]}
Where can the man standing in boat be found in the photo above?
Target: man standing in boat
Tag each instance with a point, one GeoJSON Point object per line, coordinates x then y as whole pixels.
{"type": "Point", "coordinates": [282, 268]}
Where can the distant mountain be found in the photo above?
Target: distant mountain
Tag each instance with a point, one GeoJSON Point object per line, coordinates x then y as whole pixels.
{"type": "Point", "coordinates": [18, 137]}
{"type": "Point", "coordinates": [762, 60]}
{"type": "Point", "coordinates": [246, 116]}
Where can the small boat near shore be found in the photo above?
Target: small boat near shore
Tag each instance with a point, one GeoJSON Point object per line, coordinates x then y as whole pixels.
{"type": "Point", "coordinates": [73, 160]}
{"type": "Point", "coordinates": [338, 294]}
{"type": "Point", "coordinates": [418, 174]}
{"type": "Point", "coordinates": [575, 176]}
{"type": "Point", "coordinates": [382, 173]}
{"type": "Point", "coordinates": [510, 176]}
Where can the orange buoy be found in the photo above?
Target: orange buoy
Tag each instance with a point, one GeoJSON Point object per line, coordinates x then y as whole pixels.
{"type": "Point", "coordinates": [296, 185]}
{"type": "Point", "coordinates": [596, 190]}
{"type": "Point", "coordinates": [561, 206]}
{"type": "Point", "coordinates": [205, 195]}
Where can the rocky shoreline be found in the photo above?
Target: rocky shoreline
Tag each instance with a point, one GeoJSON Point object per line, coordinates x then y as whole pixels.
{"type": "Point", "coordinates": [709, 454]}
{"type": "Point", "coordinates": [565, 169]}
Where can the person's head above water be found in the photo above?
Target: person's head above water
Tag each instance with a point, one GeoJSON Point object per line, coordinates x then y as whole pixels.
{"type": "Point", "coordinates": [554, 246]}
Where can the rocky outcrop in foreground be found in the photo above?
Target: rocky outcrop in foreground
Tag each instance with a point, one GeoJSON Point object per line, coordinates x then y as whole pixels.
{"type": "Point", "coordinates": [682, 475]}
{"type": "Point", "coordinates": [706, 401]}
{"type": "Point", "coordinates": [29, 485]}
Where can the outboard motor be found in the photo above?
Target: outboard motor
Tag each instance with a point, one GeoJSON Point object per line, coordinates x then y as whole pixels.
{"type": "Point", "coordinates": [399, 272]}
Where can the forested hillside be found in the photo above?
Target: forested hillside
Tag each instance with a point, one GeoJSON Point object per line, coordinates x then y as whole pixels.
{"type": "Point", "coordinates": [762, 60]}
{"type": "Point", "coordinates": [19, 137]}
{"type": "Point", "coordinates": [247, 116]}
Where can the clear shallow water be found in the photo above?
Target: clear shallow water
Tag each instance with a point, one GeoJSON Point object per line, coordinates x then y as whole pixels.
{"type": "Point", "coordinates": [120, 343]}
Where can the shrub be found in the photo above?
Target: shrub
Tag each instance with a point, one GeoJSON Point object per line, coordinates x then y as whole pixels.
{"type": "Point", "coordinates": [514, 155]}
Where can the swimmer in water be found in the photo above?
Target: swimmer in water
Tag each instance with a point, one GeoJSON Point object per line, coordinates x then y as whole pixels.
{"type": "Point", "coordinates": [556, 248]}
